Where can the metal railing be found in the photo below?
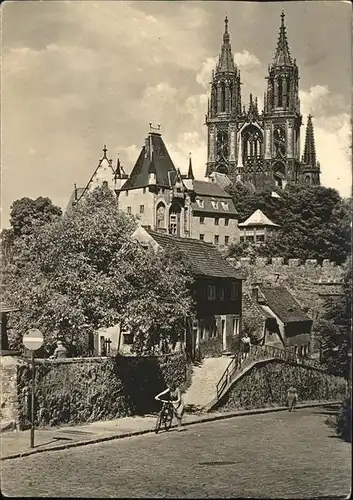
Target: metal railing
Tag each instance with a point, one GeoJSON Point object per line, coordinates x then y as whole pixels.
{"type": "Point", "coordinates": [258, 353]}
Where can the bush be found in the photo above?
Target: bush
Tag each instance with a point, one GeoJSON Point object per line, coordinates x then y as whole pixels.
{"type": "Point", "coordinates": [343, 424]}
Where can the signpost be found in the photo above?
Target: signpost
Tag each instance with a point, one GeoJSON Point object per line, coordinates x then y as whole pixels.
{"type": "Point", "coordinates": [33, 340]}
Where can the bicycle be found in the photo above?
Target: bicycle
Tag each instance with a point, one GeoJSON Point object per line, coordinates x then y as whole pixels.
{"type": "Point", "coordinates": [165, 417]}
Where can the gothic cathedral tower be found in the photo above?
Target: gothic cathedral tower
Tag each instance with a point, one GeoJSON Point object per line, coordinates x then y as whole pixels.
{"type": "Point", "coordinates": [224, 110]}
{"type": "Point", "coordinates": [282, 118]}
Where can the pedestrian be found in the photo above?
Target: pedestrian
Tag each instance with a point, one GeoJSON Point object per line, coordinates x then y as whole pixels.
{"type": "Point", "coordinates": [246, 344]}
{"type": "Point", "coordinates": [60, 351]}
{"type": "Point", "coordinates": [292, 398]}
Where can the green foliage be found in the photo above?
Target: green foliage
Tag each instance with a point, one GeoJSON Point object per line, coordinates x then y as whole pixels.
{"type": "Point", "coordinates": [314, 221]}
{"type": "Point", "coordinates": [267, 385]}
{"type": "Point", "coordinates": [343, 422]}
{"type": "Point", "coordinates": [160, 299]}
{"type": "Point", "coordinates": [27, 214]}
{"type": "Point", "coordinates": [82, 272]}
{"type": "Point", "coordinates": [73, 392]}
{"type": "Point", "coordinates": [334, 329]}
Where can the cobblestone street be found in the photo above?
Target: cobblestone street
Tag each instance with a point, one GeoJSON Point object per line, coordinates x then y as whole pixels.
{"type": "Point", "coordinates": [276, 455]}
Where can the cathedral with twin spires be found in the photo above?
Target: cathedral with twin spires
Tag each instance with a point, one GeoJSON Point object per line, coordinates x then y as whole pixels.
{"type": "Point", "coordinates": [259, 148]}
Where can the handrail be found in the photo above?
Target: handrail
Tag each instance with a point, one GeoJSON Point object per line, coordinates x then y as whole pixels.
{"type": "Point", "coordinates": [258, 352]}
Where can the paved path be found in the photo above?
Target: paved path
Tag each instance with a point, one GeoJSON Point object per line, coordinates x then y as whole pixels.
{"type": "Point", "coordinates": [274, 455]}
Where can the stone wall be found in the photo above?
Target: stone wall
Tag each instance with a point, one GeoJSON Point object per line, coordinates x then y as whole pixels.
{"type": "Point", "coordinates": [267, 383]}
{"type": "Point", "coordinates": [307, 282]}
{"type": "Point", "coordinates": [80, 390]}
{"type": "Point", "coordinates": [9, 396]}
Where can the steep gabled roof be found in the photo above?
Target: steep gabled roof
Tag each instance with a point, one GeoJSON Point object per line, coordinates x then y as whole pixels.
{"type": "Point", "coordinates": [258, 218]}
{"type": "Point", "coordinates": [283, 304]}
{"type": "Point", "coordinates": [159, 162]}
{"type": "Point", "coordinates": [206, 261]}
{"type": "Point", "coordinates": [204, 188]}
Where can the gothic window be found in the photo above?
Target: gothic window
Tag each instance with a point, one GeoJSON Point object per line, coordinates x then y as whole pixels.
{"type": "Point", "coordinates": [223, 97]}
{"type": "Point", "coordinates": [279, 171]}
{"type": "Point", "coordinates": [279, 140]}
{"type": "Point", "coordinates": [222, 145]}
{"type": "Point", "coordinates": [231, 97]}
{"type": "Point", "coordinates": [307, 179]}
{"type": "Point", "coordinates": [288, 91]}
{"type": "Point", "coordinates": [252, 140]}
{"type": "Point", "coordinates": [174, 219]}
{"type": "Point", "coordinates": [280, 93]}
{"type": "Point", "coordinates": [160, 216]}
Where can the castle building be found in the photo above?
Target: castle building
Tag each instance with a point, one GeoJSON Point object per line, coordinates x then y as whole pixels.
{"type": "Point", "coordinates": [259, 147]}
{"type": "Point", "coordinates": [167, 201]}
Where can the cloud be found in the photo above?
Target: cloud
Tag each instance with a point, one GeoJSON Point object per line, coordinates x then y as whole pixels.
{"type": "Point", "coordinates": [246, 60]}
{"type": "Point", "coordinates": [332, 136]}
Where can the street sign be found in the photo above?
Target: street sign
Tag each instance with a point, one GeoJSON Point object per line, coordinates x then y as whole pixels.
{"type": "Point", "coordinates": [33, 339]}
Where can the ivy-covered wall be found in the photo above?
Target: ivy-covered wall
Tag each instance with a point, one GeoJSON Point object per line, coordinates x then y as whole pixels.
{"type": "Point", "coordinates": [84, 390]}
{"type": "Point", "coordinates": [267, 383]}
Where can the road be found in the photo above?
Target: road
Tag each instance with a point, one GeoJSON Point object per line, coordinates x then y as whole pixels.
{"type": "Point", "coordinates": [275, 455]}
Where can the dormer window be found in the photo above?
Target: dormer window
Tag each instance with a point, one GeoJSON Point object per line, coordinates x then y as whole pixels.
{"type": "Point", "coordinates": [214, 204]}
{"type": "Point", "coordinates": [225, 205]}
{"type": "Point", "coordinates": [200, 203]}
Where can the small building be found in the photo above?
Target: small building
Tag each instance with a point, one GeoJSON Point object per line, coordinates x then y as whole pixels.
{"type": "Point", "coordinates": [217, 290]}
{"type": "Point", "coordinates": [282, 321]}
{"type": "Point", "coordinates": [256, 228]}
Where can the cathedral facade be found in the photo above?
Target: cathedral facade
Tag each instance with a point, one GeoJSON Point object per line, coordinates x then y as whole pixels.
{"type": "Point", "coordinates": [259, 148]}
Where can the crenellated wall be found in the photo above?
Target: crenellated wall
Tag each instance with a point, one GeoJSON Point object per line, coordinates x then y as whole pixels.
{"type": "Point", "coordinates": [308, 282]}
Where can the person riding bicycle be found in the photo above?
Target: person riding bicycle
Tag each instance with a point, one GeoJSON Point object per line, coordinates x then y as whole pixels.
{"type": "Point", "coordinates": [173, 395]}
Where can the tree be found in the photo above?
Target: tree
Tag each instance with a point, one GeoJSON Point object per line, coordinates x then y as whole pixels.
{"type": "Point", "coordinates": [335, 331]}
{"type": "Point", "coordinates": [26, 214]}
{"type": "Point", "coordinates": [81, 272]}
{"type": "Point", "coordinates": [315, 222]}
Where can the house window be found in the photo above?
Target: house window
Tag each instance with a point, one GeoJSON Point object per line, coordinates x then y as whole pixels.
{"type": "Point", "coordinates": [163, 190]}
{"type": "Point", "coordinates": [144, 190]}
{"type": "Point", "coordinates": [226, 240]}
{"type": "Point", "coordinates": [216, 239]}
{"type": "Point", "coordinates": [221, 293]}
{"type": "Point", "coordinates": [241, 239]}
{"type": "Point", "coordinates": [160, 216]}
{"type": "Point", "coordinates": [142, 209]}
{"type": "Point", "coordinates": [234, 291]}
{"type": "Point", "coordinates": [202, 220]}
{"type": "Point", "coordinates": [216, 221]}
{"type": "Point", "coordinates": [202, 237]}
{"type": "Point", "coordinates": [260, 238]}
{"type": "Point", "coordinates": [214, 204]}
{"type": "Point", "coordinates": [128, 210]}
{"type": "Point", "coordinates": [211, 292]}
{"type": "Point", "coordinates": [200, 203]}
{"type": "Point", "coordinates": [226, 221]}
{"type": "Point", "coordinates": [225, 205]}
{"type": "Point", "coordinates": [236, 326]}
{"type": "Point", "coordinates": [128, 338]}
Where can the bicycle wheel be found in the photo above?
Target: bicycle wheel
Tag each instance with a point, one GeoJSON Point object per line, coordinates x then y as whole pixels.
{"type": "Point", "coordinates": [168, 419]}
{"type": "Point", "coordinates": [159, 422]}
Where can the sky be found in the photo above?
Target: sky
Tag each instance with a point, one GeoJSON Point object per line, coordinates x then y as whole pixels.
{"type": "Point", "coordinates": [80, 74]}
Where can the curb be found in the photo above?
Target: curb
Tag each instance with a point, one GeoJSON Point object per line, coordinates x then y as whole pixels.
{"type": "Point", "coordinates": [240, 413]}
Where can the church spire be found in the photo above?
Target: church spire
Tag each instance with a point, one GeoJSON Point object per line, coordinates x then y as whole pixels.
{"type": "Point", "coordinates": [190, 172]}
{"type": "Point", "coordinates": [309, 156]}
{"type": "Point", "coordinates": [282, 55]}
{"type": "Point", "coordinates": [226, 60]}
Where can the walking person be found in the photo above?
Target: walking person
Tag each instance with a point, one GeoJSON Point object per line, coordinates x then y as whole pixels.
{"type": "Point", "coordinates": [173, 395]}
{"type": "Point", "coordinates": [246, 344]}
{"type": "Point", "coordinates": [292, 398]}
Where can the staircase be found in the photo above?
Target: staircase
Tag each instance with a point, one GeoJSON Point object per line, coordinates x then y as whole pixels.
{"type": "Point", "coordinates": [204, 380]}
{"type": "Point", "coordinates": [237, 367]}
